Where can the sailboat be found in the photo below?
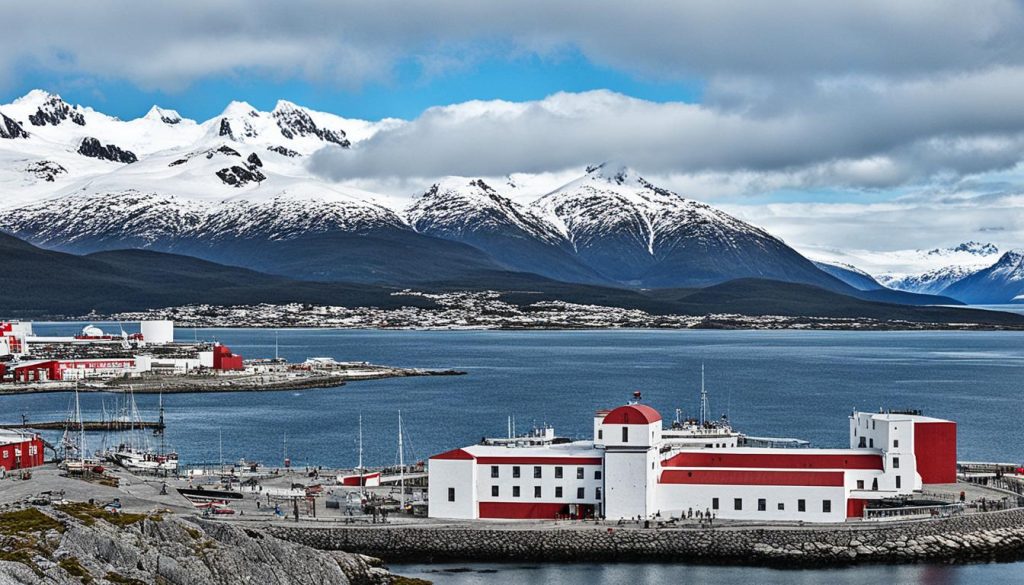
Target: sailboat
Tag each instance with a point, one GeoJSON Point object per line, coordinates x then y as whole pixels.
{"type": "Point", "coordinates": [360, 478]}
{"type": "Point", "coordinates": [73, 444]}
{"type": "Point", "coordinates": [140, 457]}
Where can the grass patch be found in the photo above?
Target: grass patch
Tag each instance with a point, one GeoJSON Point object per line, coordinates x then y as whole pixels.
{"type": "Point", "coordinates": [122, 580]}
{"type": "Point", "coordinates": [89, 514]}
{"type": "Point", "coordinates": [27, 521]}
{"type": "Point", "coordinates": [75, 568]}
{"type": "Point", "coordinates": [194, 533]}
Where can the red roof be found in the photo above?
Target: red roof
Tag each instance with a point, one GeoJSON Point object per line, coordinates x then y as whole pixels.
{"type": "Point", "coordinates": [454, 454]}
{"type": "Point", "coordinates": [744, 477]}
{"type": "Point", "coordinates": [632, 414]}
{"type": "Point", "coordinates": [792, 459]}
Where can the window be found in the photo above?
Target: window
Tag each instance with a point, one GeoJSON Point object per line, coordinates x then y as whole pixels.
{"type": "Point", "coordinates": [895, 443]}
{"type": "Point", "coordinates": [494, 491]}
{"type": "Point", "coordinates": [597, 474]}
{"type": "Point", "coordinates": [737, 504]}
{"type": "Point", "coordinates": [558, 473]}
{"type": "Point", "coordinates": [801, 505]}
{"type": "Point", "coordinates": [515, 471]}
{"type": "Point", "coordinates": [762, 504]}
{"type": "Point", "coordinates": [579, 473]}
{"type": "Point", "coordinates": [895, 462]}
{"type": "Point", "coordinates": [714, 503]}
{"type": "Point", "coordinates": [515, 491]}
{"type": "Point", "coordinates": [597, 494]}
{"type": "Point", "coordinates": [536, 491]}
{"type": "Point", "coordinates": [600, 434]}
{"type": "Point", "coordinates": [536, 472]}
{"type": "Point", "coordinates": [873, 425]}
{"type": "Point", "coordinates": [874, 484]}
{"type": "Point", "coordinates": [782, 506]}
{"type": "Point", "coordinates": [860, 484]}
{"type": "Point", "coordinates": [558, 491]}
{"type": "Point", "coordinates": [494, 471]}
{"type": "Point", "coordinates": [871, 443]}
{"type": "Point", "coordinates": [580, 493]}
{"type": "Point", "coordinates": [826, 506]}
{"type": "Point", "coordinates": [451, 494]}
{"type": "Point", "coordinates": [625, 434]}
{"type": "Point", "coordinates": [898, 482]}
{"type": "Point", "coordinates": [863, 442]}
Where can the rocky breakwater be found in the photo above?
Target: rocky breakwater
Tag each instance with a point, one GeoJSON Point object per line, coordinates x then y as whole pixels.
{"type": "Point", "coordinates": [965, 538]}
{"type": "Point", "coordinates": [79, 543]}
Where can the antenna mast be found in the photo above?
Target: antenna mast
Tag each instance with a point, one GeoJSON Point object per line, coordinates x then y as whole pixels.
{"type": "Point", "coordinates": [401, 463]}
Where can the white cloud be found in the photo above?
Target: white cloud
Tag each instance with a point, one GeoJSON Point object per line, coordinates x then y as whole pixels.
{"type": "Point", "coordinates": [168, 45]}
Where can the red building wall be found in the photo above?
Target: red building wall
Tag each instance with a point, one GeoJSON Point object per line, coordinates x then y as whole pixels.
{"type": "Point", "coordinates": [31, 454]}
{"type": "Point", "coordinates": [223, 359]}
{"type": "Point", "coordinates": [935, 451]}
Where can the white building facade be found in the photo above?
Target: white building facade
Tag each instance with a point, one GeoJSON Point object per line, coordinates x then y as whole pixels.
{"type": "Point", "coordinates": [635, 469]}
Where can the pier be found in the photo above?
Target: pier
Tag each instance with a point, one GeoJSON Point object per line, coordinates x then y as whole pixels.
{"type": "Point", "coordinates": [104, 425]}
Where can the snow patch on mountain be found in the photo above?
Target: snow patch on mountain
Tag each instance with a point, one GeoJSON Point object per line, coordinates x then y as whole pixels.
{"type": "Point", "coordinates": [457, 205]}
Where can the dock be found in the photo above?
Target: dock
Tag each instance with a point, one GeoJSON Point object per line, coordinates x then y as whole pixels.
{"type": "Point", "coordinates": [105, 425]}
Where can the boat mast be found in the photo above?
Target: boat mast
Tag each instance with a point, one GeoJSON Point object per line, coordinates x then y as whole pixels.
{"type": "Point", "coordinates": [703, 398]}
{"type": "Point", "coordinates": [360, 466]}
{"type": "Point", "coordinates": [81, 431]}
{"type": "Point", "coordinates": [401, 463]}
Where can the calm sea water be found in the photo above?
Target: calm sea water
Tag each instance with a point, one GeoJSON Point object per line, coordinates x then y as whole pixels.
{"type": "Point", "coordinates": [789, 384]}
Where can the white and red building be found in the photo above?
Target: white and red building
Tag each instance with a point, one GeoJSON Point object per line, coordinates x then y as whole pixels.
{"type": "Point", "coordinates": [20, 450]}
{"type": "Point", "coordinates": [633, 468]}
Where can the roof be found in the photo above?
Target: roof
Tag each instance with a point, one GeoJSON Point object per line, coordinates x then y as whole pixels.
{"type": "Point", "coordinates": [632, 414]}
{"type": "Point", "coordinates": [581, 449]}
{"type": "Point", "coordinates": [747, 458]}
{"type": "Point", "coordinates": [12, 436]}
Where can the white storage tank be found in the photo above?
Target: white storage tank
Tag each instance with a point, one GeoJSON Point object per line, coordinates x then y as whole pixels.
{"type": "Point", "coordinates": [158, 332]}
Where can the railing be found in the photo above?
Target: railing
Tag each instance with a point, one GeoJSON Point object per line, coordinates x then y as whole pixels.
{"type": "Point", "coordinates": [940, 511]}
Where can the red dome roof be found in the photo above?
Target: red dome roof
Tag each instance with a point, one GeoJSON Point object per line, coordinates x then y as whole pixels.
{"type": "Point", "coordinates": [632, 414]}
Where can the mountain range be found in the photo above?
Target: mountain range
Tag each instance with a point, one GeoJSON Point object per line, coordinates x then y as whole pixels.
{"type": "Point", "coordinates": [237, 190]}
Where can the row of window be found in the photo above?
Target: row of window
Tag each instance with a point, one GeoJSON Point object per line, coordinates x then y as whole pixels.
{"type": "Point", "coordinates": [762, 505]}
{"type": "Point", "coordinates": [581, 493]}
{"type": "Point", "coordinates": [874, 482]}
{"type": "Point", "coordinates": [538, 472]}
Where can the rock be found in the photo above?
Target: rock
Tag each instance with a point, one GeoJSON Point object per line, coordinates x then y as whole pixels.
{"type": "Point", "coordinates": [92, 147]}
{"type": "Point", "coordinates": [180, 551]}
{"type": "Point", "coordinates": [283, 151]}
{"type": "Point", "coordinates": [237, 176]}
{"type": "Point", "coordinates": [11, 129]}
{"type": "Point", "coordinates": [254, 160]}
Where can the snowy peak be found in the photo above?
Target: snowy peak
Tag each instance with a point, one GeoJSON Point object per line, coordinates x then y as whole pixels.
{"type": "Point", "coordinates": [295, 121]}
{"type": "Point", "coordinates": [457, 205]}
{"type": "Point", "coordinates": [615, 173]}
{"type": "Point", "coordinates": [634, 232]}
{"type": "Point", "coordinates": [50, 109]}
{"type": "Point", "coordinates": [169, 117]}
{"type": "Point", "coordinates": [972, 248]}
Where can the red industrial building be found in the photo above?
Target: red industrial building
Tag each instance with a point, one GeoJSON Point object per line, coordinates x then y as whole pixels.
{"type": "Point", "coordinates": [20, 450]}
{"type": "Point", "coordinates": [223, 359]}
{"type": "Point", "coordinates": [59, 370]}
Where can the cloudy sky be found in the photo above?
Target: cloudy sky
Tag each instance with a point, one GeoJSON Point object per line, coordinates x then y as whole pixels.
{"type": "Point", "coordinates": [872, 125]}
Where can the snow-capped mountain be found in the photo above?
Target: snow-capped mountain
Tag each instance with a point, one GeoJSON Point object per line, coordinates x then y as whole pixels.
{"type": "Point", "coordinates": [851, 275]}
{"type": "Point", "coordinates": [934, 281]}
{"type": "Point", "coordinates": [472, 212]}
{"type": "Point", "coordinates": [1003, 282]}
{"type": "Point", "coordinates": [631, 231]}
{"type": "Point", "coordinates": [236, 189]}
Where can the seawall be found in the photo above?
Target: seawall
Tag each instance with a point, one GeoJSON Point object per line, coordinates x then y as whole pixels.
{"type": "Point", "coordinates": [974, 537]}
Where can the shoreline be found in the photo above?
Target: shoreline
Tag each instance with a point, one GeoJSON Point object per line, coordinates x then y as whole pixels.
{"type": "Point", "coordinates": [976, 537]}
{"type": "Point", "coordinates": [200, 386]}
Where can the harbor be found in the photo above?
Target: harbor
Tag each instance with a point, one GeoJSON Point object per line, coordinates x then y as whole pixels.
{"type": "Point", "coordinates": [312, 501]}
